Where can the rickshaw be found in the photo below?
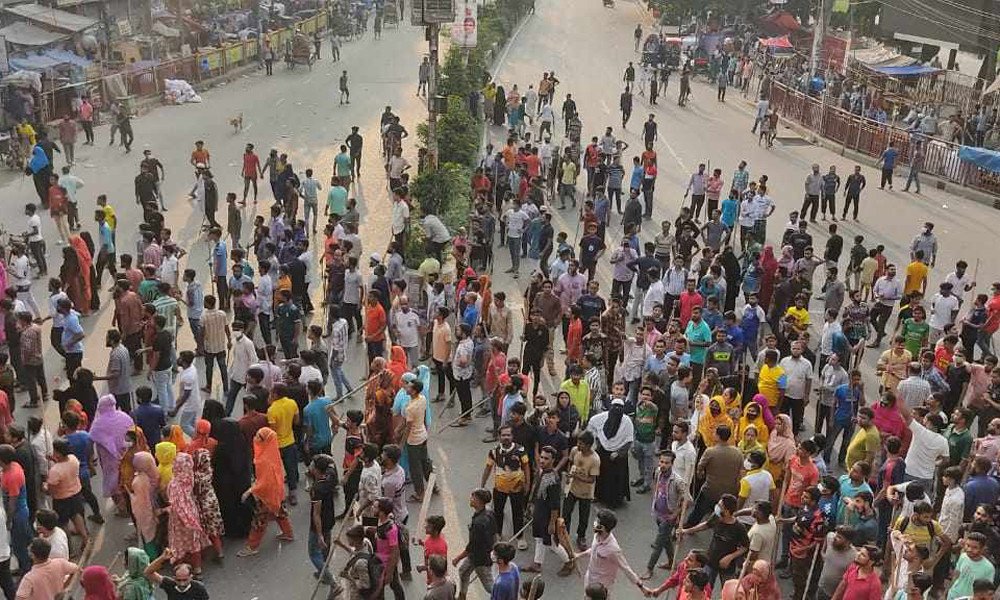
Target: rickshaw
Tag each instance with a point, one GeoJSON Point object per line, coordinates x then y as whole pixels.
{"type": "Point", "coordinates": [299, 51]}
{"type": "Point", "coordinates": [651, 50]}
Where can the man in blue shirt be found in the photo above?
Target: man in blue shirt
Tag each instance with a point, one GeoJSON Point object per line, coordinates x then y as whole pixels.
{"type": "Point", "coordinates": [888, 163]}
{"type": "Point", "coordinates": [106, 252]}
{"type": "Point", "coordinates": [847, 398]}
{"type": "Point", "coordinates": [72, 336]}
{"type": "Point", "coordinates": [148, 416]}
{"type": "Point", "coordinates": [220, 254]}
{"type": "Point", "coordinates": [82, 447]}
{"type": "Point", "coordinates": [699, 337]}
{"type": "Point", "coordinates": [319, 434]}
{"type": "Point", "coordinates": [635, 182]}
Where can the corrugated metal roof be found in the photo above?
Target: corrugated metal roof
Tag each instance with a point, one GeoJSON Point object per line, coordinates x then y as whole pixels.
{"type": "Point", "coordinates": [23, 33]}
{"type": "Point", "coordinates": [52, 17]}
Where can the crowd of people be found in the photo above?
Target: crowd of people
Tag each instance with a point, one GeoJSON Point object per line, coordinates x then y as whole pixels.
{"type": "Point", "coordinates": [684, 384]}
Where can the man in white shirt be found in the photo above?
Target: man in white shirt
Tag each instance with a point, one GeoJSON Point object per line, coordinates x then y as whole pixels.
{"type": "Point", "coordinates": [405, 325]}
{"type": "Point", "coordinates": [243, 354]}
{"type": "Point", "coordinates": [517, 222]}
{"type": "Point", "coordinates": [887, 291]}
{"type": "Point", "coordinates": [189, 402]}
{"type": "Point", "coordinates": [654, 295]}
{"type": "Point", "coordinates": [47, 524]}
{"type": "Point", "coordinates": [265, 301]}
{"type": "Point", "coordinates": [944, 311]}
{"type": "Point", "coordinates": [798, 371]}
{"type": "Point", "coordinates": [436, 234]}
{"type": "Point", "coordinates": [685, 456]}
{"type": "Point", "coordinates": [71, 183]}
{"type": "Point", "coordinates": [20, 272]}
{"type": "Point", "coordinates": [400, 217]}
{"type": "Point", "coordinates": [927, 448]}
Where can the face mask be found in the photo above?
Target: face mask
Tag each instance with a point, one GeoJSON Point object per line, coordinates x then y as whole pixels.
{"type": "Point", "coordinates": [129, 443]}
{"type": "Point", "coordinates": [718, 511]}
{"type": "Point", "coordinates": [959, 361]}
{"type": "Point", "coordinates": [748, 465]}
{"type": "Point", "coordinates": [239, 336]}
{"type": "Point", "coordinates": [183, 588]}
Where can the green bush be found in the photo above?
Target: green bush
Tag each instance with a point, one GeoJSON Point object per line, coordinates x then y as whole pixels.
{"type": "Point", "coordinates": [444, 192]}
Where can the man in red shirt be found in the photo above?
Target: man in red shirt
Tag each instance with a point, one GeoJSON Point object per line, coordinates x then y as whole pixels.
{"type": "Point", "coordinates": [533, 163]}
{"type": "Point", "coordinates": [251, 171]}
{"type": "Point", "coordinates": [375, 324]}
{"type": "Point", "coordinates": [687, 301]}
{"type": "Point", "coordinates": [591, 159]}
{"type": "Point", "coordinates": [992, 319]}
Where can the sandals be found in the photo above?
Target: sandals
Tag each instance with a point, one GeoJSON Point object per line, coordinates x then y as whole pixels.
{"type": "Point", "coordinates": [247, 551]}
{"type": "Point", "coordinates": [286, 538]}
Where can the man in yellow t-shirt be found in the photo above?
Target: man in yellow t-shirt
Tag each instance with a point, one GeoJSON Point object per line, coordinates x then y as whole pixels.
{"type": "Point", "coordinates": [771, 380]}
{"type": "Point", "coordinates": [282, 416]}
{"type": "Point", "coordinates": [866, 442]}
{"type": "Point", "coordinates": [800, 313]}
{"type": "Point", "coordinates": [916, 275]}
{"type": "Point", "coordinates": [579, 392]}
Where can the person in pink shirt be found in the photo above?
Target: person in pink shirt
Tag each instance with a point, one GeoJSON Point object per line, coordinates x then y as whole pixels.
{"type": "Point", "coordinates": [48, 577]}
{"type": "Point", "coordinates": [713, 190]}
{"type": "Point", "coordinates": [606, 556]}
{"type": "Point", "coordinates": [86, 114]}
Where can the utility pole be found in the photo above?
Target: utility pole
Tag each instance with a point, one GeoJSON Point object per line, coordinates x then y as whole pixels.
{"type": "Point", "coordinates": [432, 143]}
{"type": "Point", "coordinates": [819, 32]}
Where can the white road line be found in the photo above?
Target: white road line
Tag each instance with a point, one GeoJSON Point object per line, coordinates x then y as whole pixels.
{"type": "Point", "coordinates": [279, 102]}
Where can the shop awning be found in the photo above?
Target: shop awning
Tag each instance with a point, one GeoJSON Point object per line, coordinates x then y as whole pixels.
{"type": "Point", "coordinates": [52, 18]}
{"type": "Point", "coordinates": [26, 34]}
{"type": "Point", "coordinates": [48, 59]}
{"type": "Point", "coordinates": [904, 71]}
{"type": "Point", "coordinates": [981, 157]}
{"type": "Point", "coordinates": [777, 42]}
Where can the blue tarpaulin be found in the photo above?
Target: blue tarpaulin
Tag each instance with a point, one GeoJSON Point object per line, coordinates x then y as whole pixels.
{"type": "Point", "coordinates": [902, 71]}
{"type": "Point", "coordinates": [981, 157]}
{"type": "Point", "coordinates": [48, 59]}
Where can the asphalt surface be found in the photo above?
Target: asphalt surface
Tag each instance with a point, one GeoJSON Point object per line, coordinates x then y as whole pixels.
{"type": "Point", "coordinates": [297, 112]}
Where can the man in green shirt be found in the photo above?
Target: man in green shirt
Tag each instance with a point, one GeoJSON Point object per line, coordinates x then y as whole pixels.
{"type": "Point", "coordinates": [342, 164]}
{"type": "Point", "coordinates": [645, 447]}
{"type": "Point", "coordinates": [288, 324]}
{"type": "Point", "coordinates": [915, 330]}
{"type": "Point", "coordinates": [336, 197]}
{"type": "Point", "coordinates": [959, 438]}
{"type": "Point", "coordinates": [578, 390]}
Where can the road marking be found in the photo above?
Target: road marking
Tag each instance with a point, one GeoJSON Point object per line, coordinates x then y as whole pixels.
{"type": "Point", "coordinates": [279, 102]}
{"type": "Point", "coordinates": [454, 532]}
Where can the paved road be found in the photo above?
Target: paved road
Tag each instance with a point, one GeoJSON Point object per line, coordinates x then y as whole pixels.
{"type": "Point", "coordinates": [297, 112]}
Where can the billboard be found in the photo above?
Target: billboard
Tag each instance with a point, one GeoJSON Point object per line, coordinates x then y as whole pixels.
{"type": "Point", "coordinates": [464, 31]}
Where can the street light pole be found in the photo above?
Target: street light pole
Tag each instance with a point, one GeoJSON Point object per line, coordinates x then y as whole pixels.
{"type": "Point", "coordinates": [432, 143]}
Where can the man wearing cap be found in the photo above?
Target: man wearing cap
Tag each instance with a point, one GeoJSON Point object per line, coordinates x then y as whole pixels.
{"type": "Point", "coordinates": [155, 167]}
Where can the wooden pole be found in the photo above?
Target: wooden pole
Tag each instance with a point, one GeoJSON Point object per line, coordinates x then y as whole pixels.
{"type": "Point", "coordinates": [462, 416]}
{"type": "Point", "coordinates": [329, 557]}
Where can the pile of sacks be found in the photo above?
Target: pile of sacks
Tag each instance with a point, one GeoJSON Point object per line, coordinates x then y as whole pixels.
{"type": "Point", "coordinates": [178, 91]}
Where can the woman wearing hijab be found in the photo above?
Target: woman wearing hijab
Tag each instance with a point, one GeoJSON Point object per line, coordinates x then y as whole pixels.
{"type": "Point", "coordinates": [614, 434]}
{"type": "Point", "coordinates": [769, 271]}
{"type": "Point", "coordinates": [759, 583]}
{"type": "Point", "coordinates": [379, 419]}
{"type": "Point", "coordinates": [765, 411]}
{"type": "Point", "coordinates": [731, 265]}
{"type": "Point", "coordinates": [97, 585]}
{"type": "Point", "coordinates": [268, 490]}
{"type": "Point", "coordinates": [780, 447]}
{"type": "Point", "coordinates": [569, 416]}
{"type": "Point", "coordinates": [144, 500]}
{"type": "Point", "coordinates": [88, 259]}
{"type": "Point", "coordinates": [752, 417]}
{"type": "Point", "coordinates": [134, 585]}
{"type": "Point", "coordinates": [398, 365]}
{"type": "Point", "coordinates": [750, 441]}
{"type": "Point", "coordinates": [787, 260]}
{"type": "Point", "coordinates": [176, 436]}
{"type": "Point", "coordinates": [208, 504]}
{"type": "Point", "coordinates": [231, 476]}
{"type": "Point", "coordinates": [500, 107]}
{"type": "Point", "coordinates": [166, 455]}
{"type": "Point", "coordinates": [377, 367]}
{"type": "Point", "coordinates": [108, 433]}
{"type": "Point", "coordinates": [74, 283]}
{"type": "Point", "coordinates": [135, 442]}
{"type": "Point", "coordinates": [486, 297]}
{"type": "Point", "coordinates": [213, 411]}
{"type": "Point", "coordinates": [710, 419]}
{"type": "Point", "coordinates": [201, 439]}
{"type": "Point", "coordinates": [185, 535]}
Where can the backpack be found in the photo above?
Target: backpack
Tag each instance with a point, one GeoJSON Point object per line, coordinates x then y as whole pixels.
{"type": "Point", "coordinates": [375, 568]}
{"type": "Point", "coordinates": [905, 523]}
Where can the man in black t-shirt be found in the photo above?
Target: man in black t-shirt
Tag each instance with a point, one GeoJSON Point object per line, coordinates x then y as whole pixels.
{"type": "Point", "coordinates": [182, 586]}
{"type": "Point", "coordinates": [323, 496]}
{"type": "Point", "coordinates": [355, 142]}
{"type": "Point", "coordinates": [729, 538]}
{"type": "Point", "coordinates": [547, 503]}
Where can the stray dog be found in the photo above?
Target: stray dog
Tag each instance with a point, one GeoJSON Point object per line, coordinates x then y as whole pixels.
{"type": "Point", "coordinates": [237, 123]}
